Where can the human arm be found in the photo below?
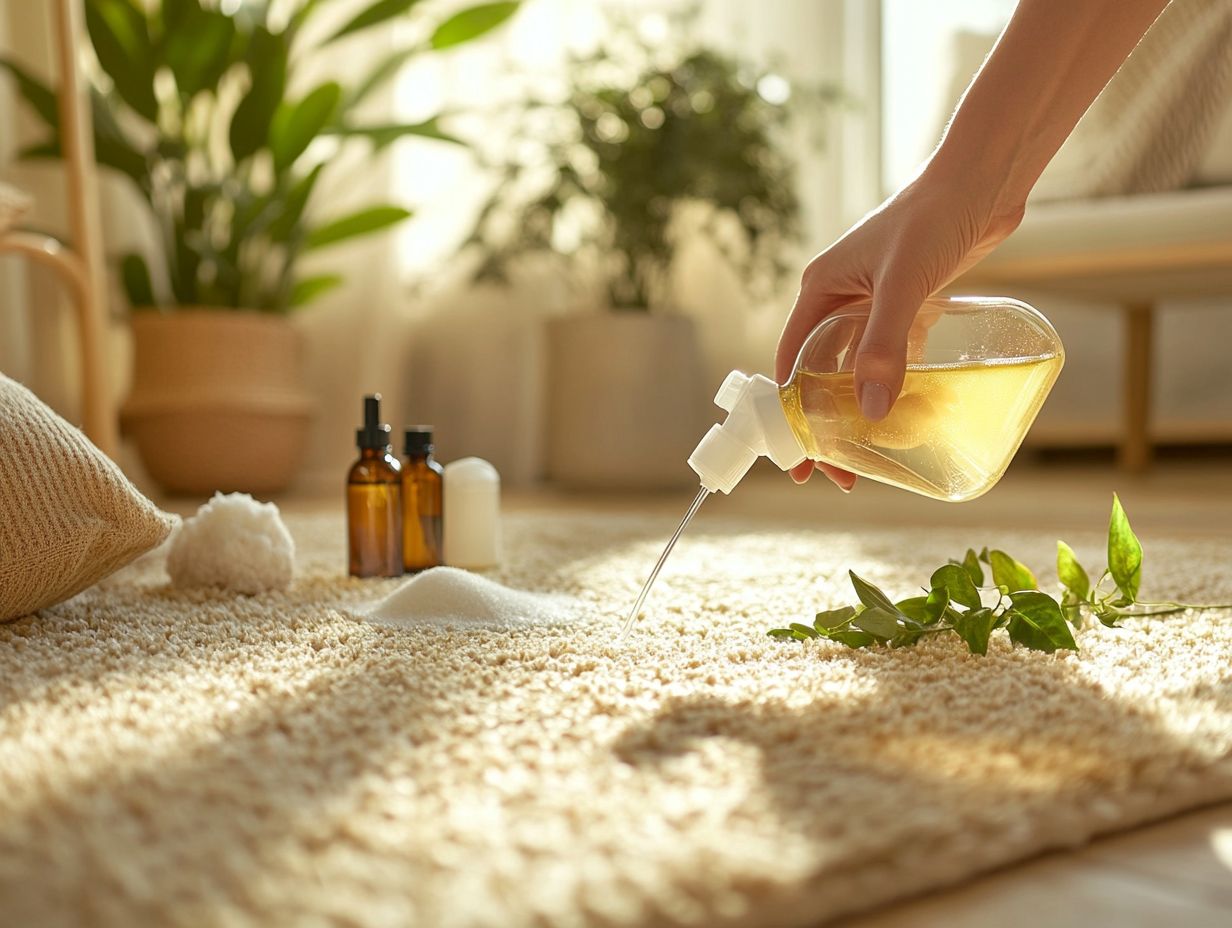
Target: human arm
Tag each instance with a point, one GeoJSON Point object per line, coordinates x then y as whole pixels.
{"type": "Point", "coordinates": [1049, 64]}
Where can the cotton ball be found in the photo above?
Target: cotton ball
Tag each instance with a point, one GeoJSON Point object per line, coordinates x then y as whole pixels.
{"type": "Point", "coordinates": [235, 543]}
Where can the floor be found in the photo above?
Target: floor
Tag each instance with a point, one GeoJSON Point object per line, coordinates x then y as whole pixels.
{"type": "Point", "coordinates": [1177, 872]}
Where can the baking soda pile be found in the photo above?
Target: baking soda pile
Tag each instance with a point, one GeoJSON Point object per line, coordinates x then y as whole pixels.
{"type": "Point", "coordinates": [448, 596]}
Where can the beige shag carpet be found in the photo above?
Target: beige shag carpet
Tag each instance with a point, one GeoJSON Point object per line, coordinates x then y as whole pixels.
{"type": "Point", "coordinates": [191, 759]}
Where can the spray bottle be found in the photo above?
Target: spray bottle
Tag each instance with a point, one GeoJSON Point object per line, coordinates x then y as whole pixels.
{"type": "Point", "coordinates": [978, 371]}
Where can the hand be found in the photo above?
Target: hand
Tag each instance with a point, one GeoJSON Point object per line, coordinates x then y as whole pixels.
{"type": "Point", "coordinates": [896, 257]}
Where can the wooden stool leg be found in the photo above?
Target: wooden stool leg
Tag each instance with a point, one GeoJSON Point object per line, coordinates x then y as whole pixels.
{"type": "Point", "coordinates": [1135, 451]}
{"type": "Point", "coordinates": [99, 414]}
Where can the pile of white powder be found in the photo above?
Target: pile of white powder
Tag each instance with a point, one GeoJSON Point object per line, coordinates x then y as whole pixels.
{"type": "Point", "coordinates": [447, 596]}
{"type": "Point", "coordinates": [233, 543]}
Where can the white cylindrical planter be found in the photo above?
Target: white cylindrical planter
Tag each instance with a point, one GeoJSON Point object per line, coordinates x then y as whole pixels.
{"type": "Point", "coordinates": [471, 514]}
{"type": "Point", "coordinates": [626, 400]}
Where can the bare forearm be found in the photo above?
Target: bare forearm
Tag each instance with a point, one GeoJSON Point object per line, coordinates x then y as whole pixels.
{"type": "Point", "coordinates": [1053, 59]}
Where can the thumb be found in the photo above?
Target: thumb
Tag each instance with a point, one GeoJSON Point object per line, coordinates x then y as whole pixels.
{"type": "Point", "coordinates": [881, 361]}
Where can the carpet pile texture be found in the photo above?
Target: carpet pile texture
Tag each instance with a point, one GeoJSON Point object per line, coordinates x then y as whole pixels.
{"type": "Point", "coordinates": [189, 758]}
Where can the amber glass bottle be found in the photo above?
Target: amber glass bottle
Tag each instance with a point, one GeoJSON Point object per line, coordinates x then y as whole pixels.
{"type": "Point", "coordinates": [374, 500]}
{"type": "Point", "coordinates": [422, 482]}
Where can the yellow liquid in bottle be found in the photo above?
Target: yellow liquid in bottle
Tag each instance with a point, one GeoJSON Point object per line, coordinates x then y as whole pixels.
{"type": "Point", "coordinates": [950, 435]}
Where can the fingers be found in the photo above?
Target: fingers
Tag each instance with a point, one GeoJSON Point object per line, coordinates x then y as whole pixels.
{"type": "Point", "coordinates": [818, 296]}
{"type": "Point", "coordinates": [842, 479]}
{"type": "Point", "coordinates": [799, 324]}
{"type": "Point", "coordinates": [881, 361]}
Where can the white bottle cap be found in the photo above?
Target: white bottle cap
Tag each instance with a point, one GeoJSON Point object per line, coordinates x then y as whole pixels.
{"type": "Point", "coordinates": [756, 425]}
{"type": "Point", "coordinates": [471, 513]}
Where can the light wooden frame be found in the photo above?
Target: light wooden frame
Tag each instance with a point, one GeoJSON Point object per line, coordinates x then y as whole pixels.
{"type": "Point", "coordinates": [79, 264]}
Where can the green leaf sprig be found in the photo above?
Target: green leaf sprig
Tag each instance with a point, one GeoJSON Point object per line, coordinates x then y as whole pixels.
{"type": "Point", "coordinates": [957, 601]}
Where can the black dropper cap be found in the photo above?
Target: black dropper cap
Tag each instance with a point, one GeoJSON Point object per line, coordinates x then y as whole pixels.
{"type": "Point", "coordinates": [418, 441]}
{"type": "Point", "coordinates": [374, 434]}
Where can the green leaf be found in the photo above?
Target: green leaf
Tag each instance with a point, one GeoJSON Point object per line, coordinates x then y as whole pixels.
{"type": "Point", "coordinates": [286, 224]}
{"type": "Point", "coordinates": [121, 39]}
{"type": "Point", "coordinates": [386, 134]}
{"type": "Point", "coordinates": [200, 45]}
{"type": "Point", "coordinates": [878, 622]}
{"type": "Point", "coordinates": [956, 582]}
{"type": "Point", "coordinates": [918, 608]}
{"type": "Point", "coordinates": [363, 222]}
{"type": "Point", "coordinates": [781, 633]}
{"type": "Point", "coordinates": [267, 66]}
{"type": "Point", "coordinates": [870, 595]}
{"type": "Point", "coordinates": [1070, 572]}
{"type": "Point", "coordinates": [1124, 553]}
{"type": "Point", "coordinates": [309, 288]}
{"type": "Point", "coordinates": [470, 24]}
{"type": "Point", "coordinates": [927, 610]}
{"type": "Point", "coordinates": [109, 152]}
{"type": "Point", "coordinates": [853, 639]}
{"type": "Point", "coordinates": [302, 15]}
{"type": "Point", "coordinates": [137, 285]}
{"type": "Point", "coordinates": [1108, 615]}
{"type": "Point", "coordinates": [1071, 607]}
{"type": "Point", "coordinates": [295, 126]}
{"type": "Point", "coordinates": [974, 627]}
{"type": "Point", "coordinates": [805, 630]}
{"type": "Point", "coordinates": [174, 11]}
{"type": "Point", "coordinates": [833, 619]}
{"type": "Point", "coordinates": [971, 563]}
{"type": "Point", "coordinates": [40, 97]}
{"type": "Point", "coordinates": [381, 72]}
{"type": "Point", "coordinates": [1036, 622]}
{"type": "Point", "coordinates": [1010, 573]}
{"type": "Point", "coordinates": [379, 12]}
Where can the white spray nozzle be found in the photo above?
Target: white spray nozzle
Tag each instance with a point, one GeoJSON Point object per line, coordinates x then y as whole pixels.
{"type": "Point", "coordinates": [731, 389]}
{"type": "Point", "coordinates": [756, 425]}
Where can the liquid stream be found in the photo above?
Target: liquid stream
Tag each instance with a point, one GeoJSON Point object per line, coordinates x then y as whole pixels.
{"type": "Point", "coordinates": [637, 606]}
{"type": "Point", "coordinates": [951, 434]}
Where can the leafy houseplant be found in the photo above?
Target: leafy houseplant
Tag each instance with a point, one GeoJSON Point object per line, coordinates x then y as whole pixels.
{"type": "Point", "coordinates": [958, 604]}
{"type": "Point", "coordinates": [645, 147]}
{"type": "Point", "coordinates": [194, 106]}
{"type": "Point", "coordinates": [197, 104]}
{"type": "Point", "coordinates": [625, 148]}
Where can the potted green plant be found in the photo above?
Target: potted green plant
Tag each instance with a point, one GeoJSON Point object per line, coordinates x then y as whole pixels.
{"type": "Point", "coordinates": [195, 106]}
{"type": "Point", "coordinates": [647, 148]}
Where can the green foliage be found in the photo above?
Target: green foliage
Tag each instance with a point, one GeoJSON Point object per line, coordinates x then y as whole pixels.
{"type": "Point", "coordinates": [598, 175]}
{"type": "Point", "coordinates": [1030, 617]}
{"type": "Point", "coordinates": [1124, 553]}
{"type": "Point", "coordinates": [193, 106]}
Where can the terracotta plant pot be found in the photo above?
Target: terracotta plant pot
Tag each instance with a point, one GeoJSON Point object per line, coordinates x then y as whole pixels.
{"type": "Point", "coordinates": [217, 401]}
{"type": "Point", "coordinates": [625, 400]}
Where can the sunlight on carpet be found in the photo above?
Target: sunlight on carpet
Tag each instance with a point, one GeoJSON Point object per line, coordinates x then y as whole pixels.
{"type": "Point", "coordinates": [186, 758]}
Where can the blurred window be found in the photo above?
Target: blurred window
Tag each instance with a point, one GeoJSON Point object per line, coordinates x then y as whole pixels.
{"type": "Point", "coordinates": [929, 53]}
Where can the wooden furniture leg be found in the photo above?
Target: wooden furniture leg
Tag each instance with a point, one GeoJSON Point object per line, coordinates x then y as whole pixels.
{"type": "Point", "coordinates": [1135, 451]}
{"type": "Point", "coordinates": [99, 413]}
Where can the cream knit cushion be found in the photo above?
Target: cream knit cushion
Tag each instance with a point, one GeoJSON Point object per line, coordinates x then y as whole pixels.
{"type": "Point", "coordinates": [68, 516]}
